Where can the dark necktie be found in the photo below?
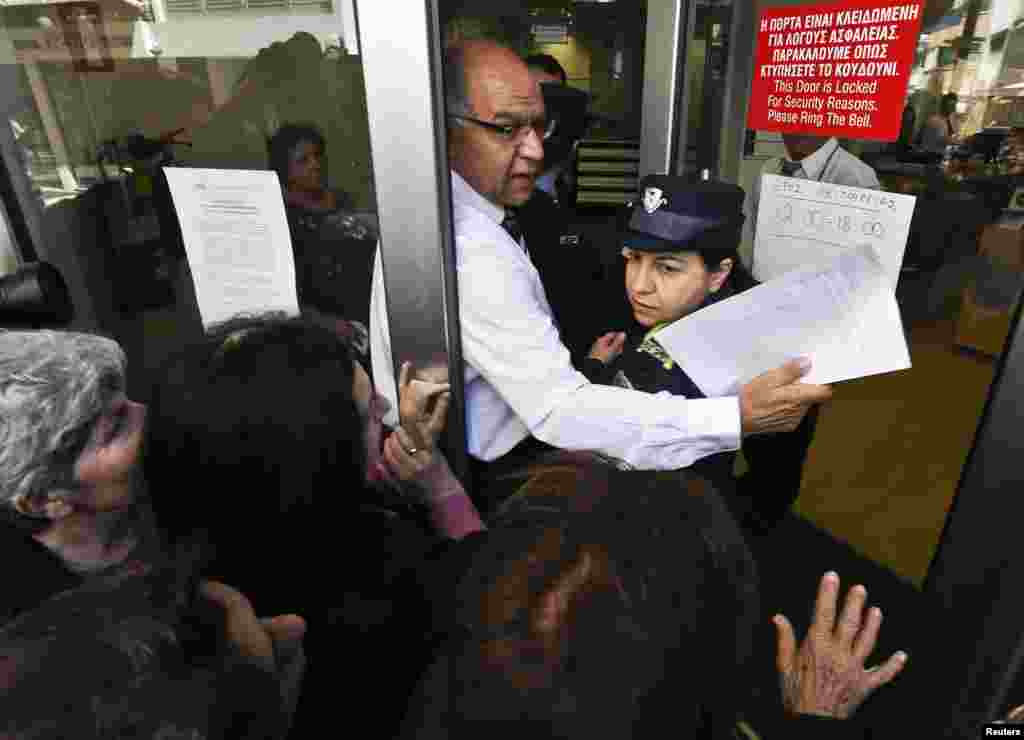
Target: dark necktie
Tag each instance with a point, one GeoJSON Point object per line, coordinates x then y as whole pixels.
{"type": "Point", "coordinates": [789, 169]}
{"type": "Point", "coordinates": [511, 225]}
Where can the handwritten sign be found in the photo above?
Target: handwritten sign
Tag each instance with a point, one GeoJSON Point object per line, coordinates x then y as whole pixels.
{"type": "Point", "coordinates": [803, 223]}
{"type": "Point", "coordinates": [834, 70]}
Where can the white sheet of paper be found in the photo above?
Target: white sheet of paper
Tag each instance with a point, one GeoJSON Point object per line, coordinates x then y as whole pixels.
{"type": "Point", "coordinates": [237, 241]}
{"type": "Point", "coordinates": [843, 316]}
{"type": "Point", "coordinates": [804, 223]}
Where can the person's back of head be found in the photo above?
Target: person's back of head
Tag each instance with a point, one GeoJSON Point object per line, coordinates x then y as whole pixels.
{"type": "Point", "coordinates": [590, 611]}
{"type": "Point", "coordinates": [247, 430]}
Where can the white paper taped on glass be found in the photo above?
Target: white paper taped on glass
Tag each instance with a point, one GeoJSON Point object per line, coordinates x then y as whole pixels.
{"type": "Point", "coordinates": [842, 315]}
{"type": "Point", "coordinates": [237, 241]}
{"type": "Point", "coordinates": [804, 223]}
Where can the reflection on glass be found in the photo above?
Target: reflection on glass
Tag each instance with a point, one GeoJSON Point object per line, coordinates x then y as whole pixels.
{"type": "Point", "coordinates": [100, 96]}
{"type": "Point", "coordinates": [706, 60]}
{"type": "Point", "coordinates": [600, 46]}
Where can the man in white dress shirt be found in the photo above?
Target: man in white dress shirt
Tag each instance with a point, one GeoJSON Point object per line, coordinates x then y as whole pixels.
{"type": "Point", "coordinates": [519, 384]}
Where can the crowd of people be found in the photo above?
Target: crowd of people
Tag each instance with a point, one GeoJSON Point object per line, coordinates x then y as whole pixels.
{"type": "Point", "coordinates": [277, 547]}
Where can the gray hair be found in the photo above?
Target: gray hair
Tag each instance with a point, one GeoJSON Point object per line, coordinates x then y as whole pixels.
{"type": "Point", "coordinates": [53, 387]}
{"type": "Point", "coordinates": [456, 95]}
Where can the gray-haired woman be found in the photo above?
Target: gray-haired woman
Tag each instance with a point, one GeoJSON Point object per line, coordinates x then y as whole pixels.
{"type": "Point", "coordinates": [69, 444]}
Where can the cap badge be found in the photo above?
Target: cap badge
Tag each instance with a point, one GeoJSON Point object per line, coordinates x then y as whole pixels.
{"type": "Point", "coordinates": [654, 199]}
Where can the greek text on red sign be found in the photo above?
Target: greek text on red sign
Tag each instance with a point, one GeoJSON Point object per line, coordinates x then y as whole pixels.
{"type": "Point", "coordinates": [834, 70]}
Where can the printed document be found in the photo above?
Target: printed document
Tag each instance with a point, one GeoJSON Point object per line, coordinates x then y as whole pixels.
{"type": "Point", "coordinates": [237, 241]}
{"type": "Point", "coordinates": [805, 223]}
{"type": "Point", "coordinates": [842, 315]}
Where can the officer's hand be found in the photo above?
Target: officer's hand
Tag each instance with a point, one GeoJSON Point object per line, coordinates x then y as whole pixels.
{"type": "Point", "coordinates": [608, 346]}
{"type": "Point", "coordinates": [776, 402]}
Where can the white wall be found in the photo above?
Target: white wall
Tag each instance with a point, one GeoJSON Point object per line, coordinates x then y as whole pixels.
{"type": "Point", "coordinates": [234, 35]}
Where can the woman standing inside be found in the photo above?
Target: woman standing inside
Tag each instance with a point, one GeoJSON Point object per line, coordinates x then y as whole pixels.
{"type": "Point", "coordinates": [333, 246]}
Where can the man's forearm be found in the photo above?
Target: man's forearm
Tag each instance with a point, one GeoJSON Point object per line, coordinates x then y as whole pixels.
{"type": "Point", "coordinates": [648, 431]}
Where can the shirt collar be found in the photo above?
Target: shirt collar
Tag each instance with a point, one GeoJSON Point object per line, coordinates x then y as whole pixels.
{"type": "Point", "coordinates": [463, 193]}
{"type": "Point", "coordinates": [815, 163]}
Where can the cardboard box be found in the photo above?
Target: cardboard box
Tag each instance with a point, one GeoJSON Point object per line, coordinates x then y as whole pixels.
{"type": "Point", "coordinates": [984, 328]}
{"type": "Point", "coordinates": [1003, 241]}
{"type": "Point", "coordinates": [981, 328]}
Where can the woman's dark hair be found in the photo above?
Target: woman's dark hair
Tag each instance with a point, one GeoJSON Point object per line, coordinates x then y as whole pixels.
{"type": "Point", "coordinates": [246, 431]}
{"type": "Point", "coordinates": [739, 278]}
{"type": "Point", "coordinates": [282, 143]}
{"type": "Point", "coordinates": [602, 603]}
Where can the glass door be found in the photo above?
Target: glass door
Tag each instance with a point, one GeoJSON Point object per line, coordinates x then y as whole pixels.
{"type": "Point", "coordinates": [99, 97]}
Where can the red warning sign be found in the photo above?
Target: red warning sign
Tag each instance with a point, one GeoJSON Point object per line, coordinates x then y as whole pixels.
{"type": "Point", "coordinates": [834, 70]}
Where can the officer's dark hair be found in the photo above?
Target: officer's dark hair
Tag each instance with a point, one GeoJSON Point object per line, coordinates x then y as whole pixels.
{"type": "Point", "coordinates": [712, 258]}
{"type": "Point", "coordinates": [547, 64]}
{"type": "Point", "coordinates": [282, 143]}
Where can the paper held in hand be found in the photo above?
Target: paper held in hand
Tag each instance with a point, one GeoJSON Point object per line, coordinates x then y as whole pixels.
{"type": "Point", "coordinates": [803, 223]}
{"type": "Point", "coordinates": [236, 237]}
{"type": "Point", "coordinates": [842, 315]}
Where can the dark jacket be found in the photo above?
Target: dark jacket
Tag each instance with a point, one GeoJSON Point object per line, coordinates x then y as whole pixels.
{"type": "Point", "coordinates": [370, 607]}
{"type": "Point", "coordinates": [573, 272]}
{"type": "Point", "coordinates": [334, 253]}
{"type": "Point", "coordinates": [35, 573]}
{"type": "Point", "coordinates": [103, 661]}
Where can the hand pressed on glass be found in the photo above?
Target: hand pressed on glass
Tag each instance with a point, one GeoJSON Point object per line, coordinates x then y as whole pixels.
{"type": "Point", "coordinates": [410, 452]}
{"type": "Point", "coordinates": [826, 674]}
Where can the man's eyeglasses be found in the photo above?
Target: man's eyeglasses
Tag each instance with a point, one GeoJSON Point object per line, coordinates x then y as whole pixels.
{"type": "Point", "coordinates": [543, 128]}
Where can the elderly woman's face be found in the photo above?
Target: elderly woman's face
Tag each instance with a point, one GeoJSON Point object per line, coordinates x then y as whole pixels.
{"type": "Point", "coordinates": [305, 167]}
{"type": "Point", "coordinates": [108, 463]}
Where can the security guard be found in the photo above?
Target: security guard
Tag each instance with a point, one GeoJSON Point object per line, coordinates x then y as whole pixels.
{"type": "Point", "coordinates": [679, 255]}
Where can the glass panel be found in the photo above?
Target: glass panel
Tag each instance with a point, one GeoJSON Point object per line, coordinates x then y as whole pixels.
{"type": "Point", "coordinates": [961, 278]}
{"type": "Point", "coordinates": [101, 96]}
{"type": "Point", "coordinates": [707, 54]}
{"type": "Point", "coordinates": [600, 45]}
{"type": "Point", "coordinates": [10, 257]}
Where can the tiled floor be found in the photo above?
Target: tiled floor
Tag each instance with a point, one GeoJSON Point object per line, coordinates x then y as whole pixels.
{"type": "Point", "coordinates": [888, 451]}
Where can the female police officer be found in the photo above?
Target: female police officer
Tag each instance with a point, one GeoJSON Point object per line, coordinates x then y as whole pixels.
{"type": "Point", "coordinates": [679, 255]}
